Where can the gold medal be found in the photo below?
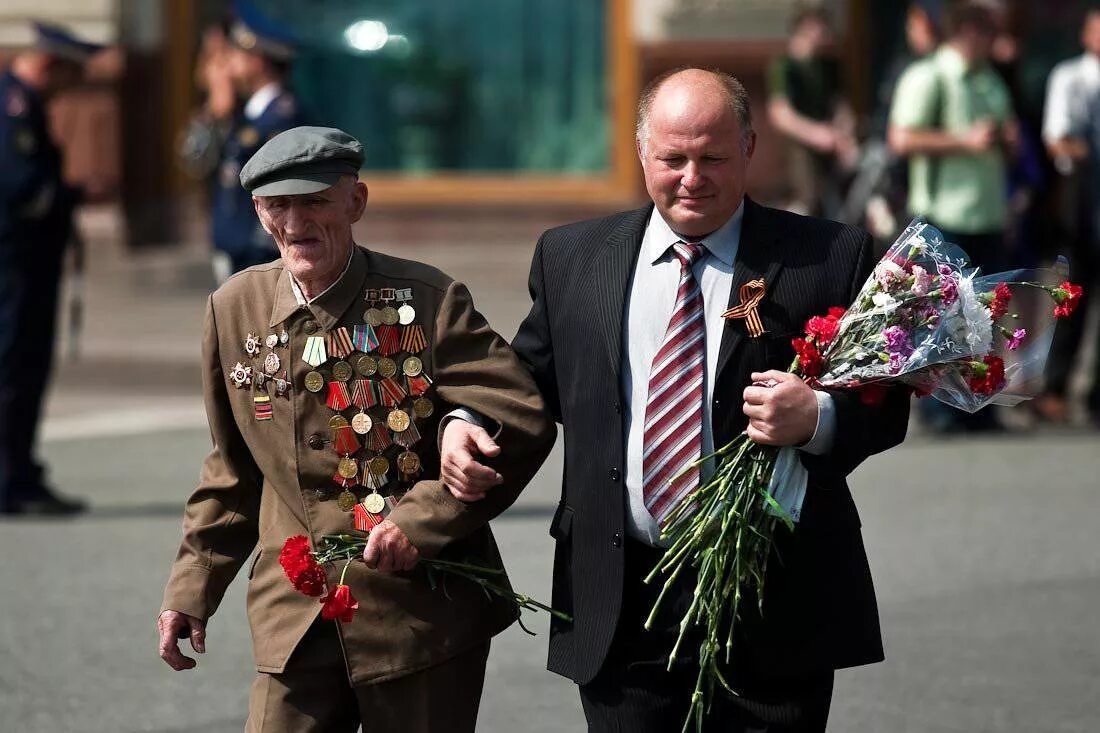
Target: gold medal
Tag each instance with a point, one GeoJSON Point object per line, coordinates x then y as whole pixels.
{"type": "Point", "coordinates": [398, 420]}
{"type": "Point", "coordinates": [387, 367]}
{"type": "Point", "coordinates": [367, 366]}
{"type": "Point", "coordinates": [412, 366]}
{"type": "Point", "coordinates": [408, 462]}
{"type": "Point", "coordinates": [362, 423]}
{"type": "Point", "coordinates": [348, 467]}
{"type": "Point", "coordinates": [378, 466]}
{"type": "Point", "coordinates": [315, 382]}
{"type": "Point", "coordinates": [423, 407]}
{"type": "Point", "coordinates": [341, 371]}
{"type": "Point", "coordinates": [373, 317]}
{"type": "Point", "coordinates": [346, 501]}
{"type": "Point", "coordinates": [374, 503]}
{"type": "Point", "coordinates": [389, 316]}
{"type": "Point", "coordinates": [336, 422]}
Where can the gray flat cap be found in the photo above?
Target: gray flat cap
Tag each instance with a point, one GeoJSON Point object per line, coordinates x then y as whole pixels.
{"type": "Point", "coordinates": [302, 160]}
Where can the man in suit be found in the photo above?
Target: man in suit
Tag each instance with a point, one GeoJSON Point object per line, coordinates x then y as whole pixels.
{"type": "Point", "coordinates": [36, 223]}
{"type": "Point", "coordinates": [295, 373]}
{"type": "Point", "coordinates": [627, 344]}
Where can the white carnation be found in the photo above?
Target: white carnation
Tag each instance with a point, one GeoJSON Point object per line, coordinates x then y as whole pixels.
{"type": "Point", "coordinates": [979, 325]}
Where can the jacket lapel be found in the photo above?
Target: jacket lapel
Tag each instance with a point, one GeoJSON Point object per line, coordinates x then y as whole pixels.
{"type": "Point", "coordinates": [758, 255]}
{"type": "Point", "coordinates": [611, 274]}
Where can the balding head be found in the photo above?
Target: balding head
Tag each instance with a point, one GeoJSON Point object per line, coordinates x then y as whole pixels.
{"type": "Point", "coordinates": [695, 141]}
{"type": "Point", "coordinates": [682, 90]}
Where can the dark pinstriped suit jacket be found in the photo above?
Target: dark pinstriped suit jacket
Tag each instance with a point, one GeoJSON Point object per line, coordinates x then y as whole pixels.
{"type": "Point", "coordinates": [820, 607]}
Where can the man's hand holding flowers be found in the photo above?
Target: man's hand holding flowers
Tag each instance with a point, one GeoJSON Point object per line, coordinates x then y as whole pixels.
{"type": "Point", "coordinates": [783, 414]}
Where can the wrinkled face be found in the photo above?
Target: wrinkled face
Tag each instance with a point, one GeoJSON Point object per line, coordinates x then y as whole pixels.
{"type": "Point", "coordinates": [695, 159]}
{"type": "Point", "coordinates": [313, 230]}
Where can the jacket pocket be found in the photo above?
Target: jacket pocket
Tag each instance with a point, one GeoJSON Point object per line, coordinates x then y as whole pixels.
{"type": "Point", "coordinates": [561, 526]}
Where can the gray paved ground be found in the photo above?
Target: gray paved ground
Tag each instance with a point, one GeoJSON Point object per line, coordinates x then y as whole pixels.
{"type": "Point", "coordinates": [988, 575]}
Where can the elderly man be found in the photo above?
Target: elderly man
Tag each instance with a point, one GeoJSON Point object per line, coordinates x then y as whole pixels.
{"type": "Point", "coordinates": [36, 220]}
{"type": "Point", "coordinates": [614, 296]}
{"type": "Point", "coordinates": [322, 371]}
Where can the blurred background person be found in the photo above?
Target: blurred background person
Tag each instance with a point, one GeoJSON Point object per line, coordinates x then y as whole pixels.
{"type": "Point", "coordinates": [245, 72]}
{"type": "Point", "coordinates": [36, 222]}
{"type": "Point", "coordinates": [806, 105]}
{"type": "Point", "coordinates": [1071, 131]}
{"type": "Point", "coordinates": [952, 117]}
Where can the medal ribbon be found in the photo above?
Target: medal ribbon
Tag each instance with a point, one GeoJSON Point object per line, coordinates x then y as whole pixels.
{"type": "Point", "coordinates": [314, 354]}
{"type": "Point", "coordinates": [364, 338]}
{"type": "Point", "coordinates": [359, 389]}
{"type": "Point", "coordinates": [344, 441]}
{"type": "Point", "coordinates": [378, 439]}
{"type": "Point", "coordinates": [263, 407]}
{"type": "Point", "coordinates": [392, 392]}
{"type": "Point", "coordinates": [414, 341]}
{"type": "Point", "coordinates": [751, 293]}
{"type": "Point", "coordinates": [339, 343]}
{"type": "Point", "coordinates": [389, 339]}
{"type": "Point", "coordinates": [364, 520]}
{"type": "Point", "coordinates": [419, 384]}
{"type": "Point", "coordinates": [407, 438]}
{"type": "Point", "coordinates": [338, 397]}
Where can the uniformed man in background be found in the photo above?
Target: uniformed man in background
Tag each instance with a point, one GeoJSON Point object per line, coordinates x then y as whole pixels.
{"type": "Point", "coordinates": [36, 222]}
{"type": "Point", "coordinates": [245, 71]}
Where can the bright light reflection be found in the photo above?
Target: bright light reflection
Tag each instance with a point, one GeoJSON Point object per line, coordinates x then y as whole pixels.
{"type": "Point", "coordinates": [367, 35]}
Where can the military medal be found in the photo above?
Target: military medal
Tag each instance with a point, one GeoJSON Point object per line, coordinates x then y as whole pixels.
{"type": "Point", "coordinates": [339, 343]}
{"type": "Point", "coordinates": [423, 408]}
{"type": "Point", "coordinates": [412, 366]}
{"type": "Point", "coordinates": [364, 520]}
{"type": "Point", "coordinates": [378, 467]}
{"type": "Point", "coordinates": [348, 467]}
{"type": "Point", "coordinates": [336, 422]}
{"type": "Point", "coordinates": [413, 339]}
{"type": "Point", "coordinates": [364, 338]}
{"type": "Point", "coordinates": [252, 344]}
{"type": "Point", "coordinates": [405, 314]}
{"type": "Point", "coordinates": [261, 379]}
{"type": "Point", "coordinates": [367, 366]}
{"type": "Point", "coordinates": [389, 313]}
{"type": "Point", "coordinates": [341, 371]}
{"type": "Point", "coordinates": [282, 385]}
{"type": "Point", "coordinates": [271, 341]}
{"type": "Point", "coordinates": [272, 363]}
{"type": "Point", "coordinates": [419, 384]}
{"type": "Point", "coordinates": [362, 423]}
{"type": "Point", "coordinates": [374, 502]}
{"type": "Point", "coordinates": [284, 337]}
{"type": "Point", "coordinates": [263, 407]}
{"type": "Point", "coordinates": [372, 315]}
{"type": "Point", "coordinates": [346, 500]}
{"type": "Point", "coordinates": [408, 463]}
{"type": "Point", "coordinates": [338, 397]}
{"type": "Point", "coordinates": [408, 437]}
{"type": "Point", "coordinates": [398, 421]}
{"type": "Point", "coordinates": [387, 367]}
{"type": "Point", "coordinates": [314, 353]}
{"type": "Point", "coordinates": [391, 392]}
{"type": "Point", "coordinates": [389, 339]}
{"type": "Point", "coordinates": [315, 382]}
{"type": "Point", "coordinates": [241, 376]}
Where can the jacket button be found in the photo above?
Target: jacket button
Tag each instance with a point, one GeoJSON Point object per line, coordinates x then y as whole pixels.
{"type": "Point", "coordinates": [316, 442]}
{"type": "Point", "coordinates": [311, 327]}
{"type": "Point", "coordinates": [613, 474]}
{"type": "Point", "coordinates": [617, 540]}
{"type": "Point", "coordinates": [618, 408]}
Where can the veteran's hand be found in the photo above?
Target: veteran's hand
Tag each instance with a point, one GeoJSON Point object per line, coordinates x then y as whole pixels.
{"type": "Point", "coordinates": [172, 626]}
{"type": "Point", "coordinates": [785, 414]}
{"type": "Point", "coordinates": [463, 476]}
{"type": "Point", "coordinates": [389, 550]}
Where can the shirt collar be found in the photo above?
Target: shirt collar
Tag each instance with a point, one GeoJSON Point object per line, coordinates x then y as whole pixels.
{"type": "Point", "coordinates": [329, 306]}
{"type": "Point", "coordinates": [1090, 64]}
{"type": "Point", "coordinates": [260, 99]}
{"type": "Point", "coordinates": [721, 244]}
{"type": "Point", "coordinates": [953, 62]}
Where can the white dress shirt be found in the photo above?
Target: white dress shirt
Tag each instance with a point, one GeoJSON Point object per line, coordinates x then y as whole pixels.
{"type": "Point", "coordinates": [1073, 90]}
{"type": "Point", "coordinates": [257, 104]}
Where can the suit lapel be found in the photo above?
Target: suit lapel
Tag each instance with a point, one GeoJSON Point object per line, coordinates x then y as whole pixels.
{"type": "Point", "coordinates": [758, 255]}
{"type": "Point", "coordinates": [611, 275]}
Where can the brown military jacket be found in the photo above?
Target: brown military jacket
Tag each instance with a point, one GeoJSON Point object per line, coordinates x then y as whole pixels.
{"type": "Point", "coordinates": [259, 485]}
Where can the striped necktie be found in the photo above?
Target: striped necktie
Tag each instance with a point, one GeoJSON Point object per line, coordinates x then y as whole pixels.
{"type": "Point", "coordinates": [673, 436]}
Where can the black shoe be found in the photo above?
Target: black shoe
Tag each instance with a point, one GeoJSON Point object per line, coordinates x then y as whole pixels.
{"type": "Point", "coordinates": [46, 503]}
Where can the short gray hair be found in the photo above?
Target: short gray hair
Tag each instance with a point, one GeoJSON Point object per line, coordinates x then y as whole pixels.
{"type": "Point", "coordinates": [736, 97]}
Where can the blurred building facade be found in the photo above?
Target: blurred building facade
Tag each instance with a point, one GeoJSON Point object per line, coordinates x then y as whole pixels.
{"type": "Point", "coordinates": [512, 106]}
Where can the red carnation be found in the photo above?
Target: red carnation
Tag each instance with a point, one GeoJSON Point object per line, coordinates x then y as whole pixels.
{"type": "Point", "coordinates": [999, 305]}
{"type": "Point", "coordinates": [837, 312]}
{"type": "Point", "coordinates": [823, 328]}
{"type": "Point", "coordinates": [809, 358]}
{"type": "Point", "coordinates": [988, 376]}
{"type": "Point", "coordinates": [303, 571]}
{"type": "Point", "coordinates": [339, 604]}
{"type": "Point", "coordinates": [1067, 296]}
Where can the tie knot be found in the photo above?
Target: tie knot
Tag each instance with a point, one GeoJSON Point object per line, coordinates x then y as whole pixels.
{"type": "Point", "coordinates": [688, 252]}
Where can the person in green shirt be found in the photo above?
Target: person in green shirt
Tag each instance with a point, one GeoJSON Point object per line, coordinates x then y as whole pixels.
{"type": "Point", "coordinates": [952, 117]}
{"type": "Point", "coordinates": [806, 104]}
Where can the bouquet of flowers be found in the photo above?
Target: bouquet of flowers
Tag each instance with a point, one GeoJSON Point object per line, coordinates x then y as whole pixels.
{"type": "Point", "coordinates": [305, 569]}
{"type": "Point", "coordinates": [924, 319]}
